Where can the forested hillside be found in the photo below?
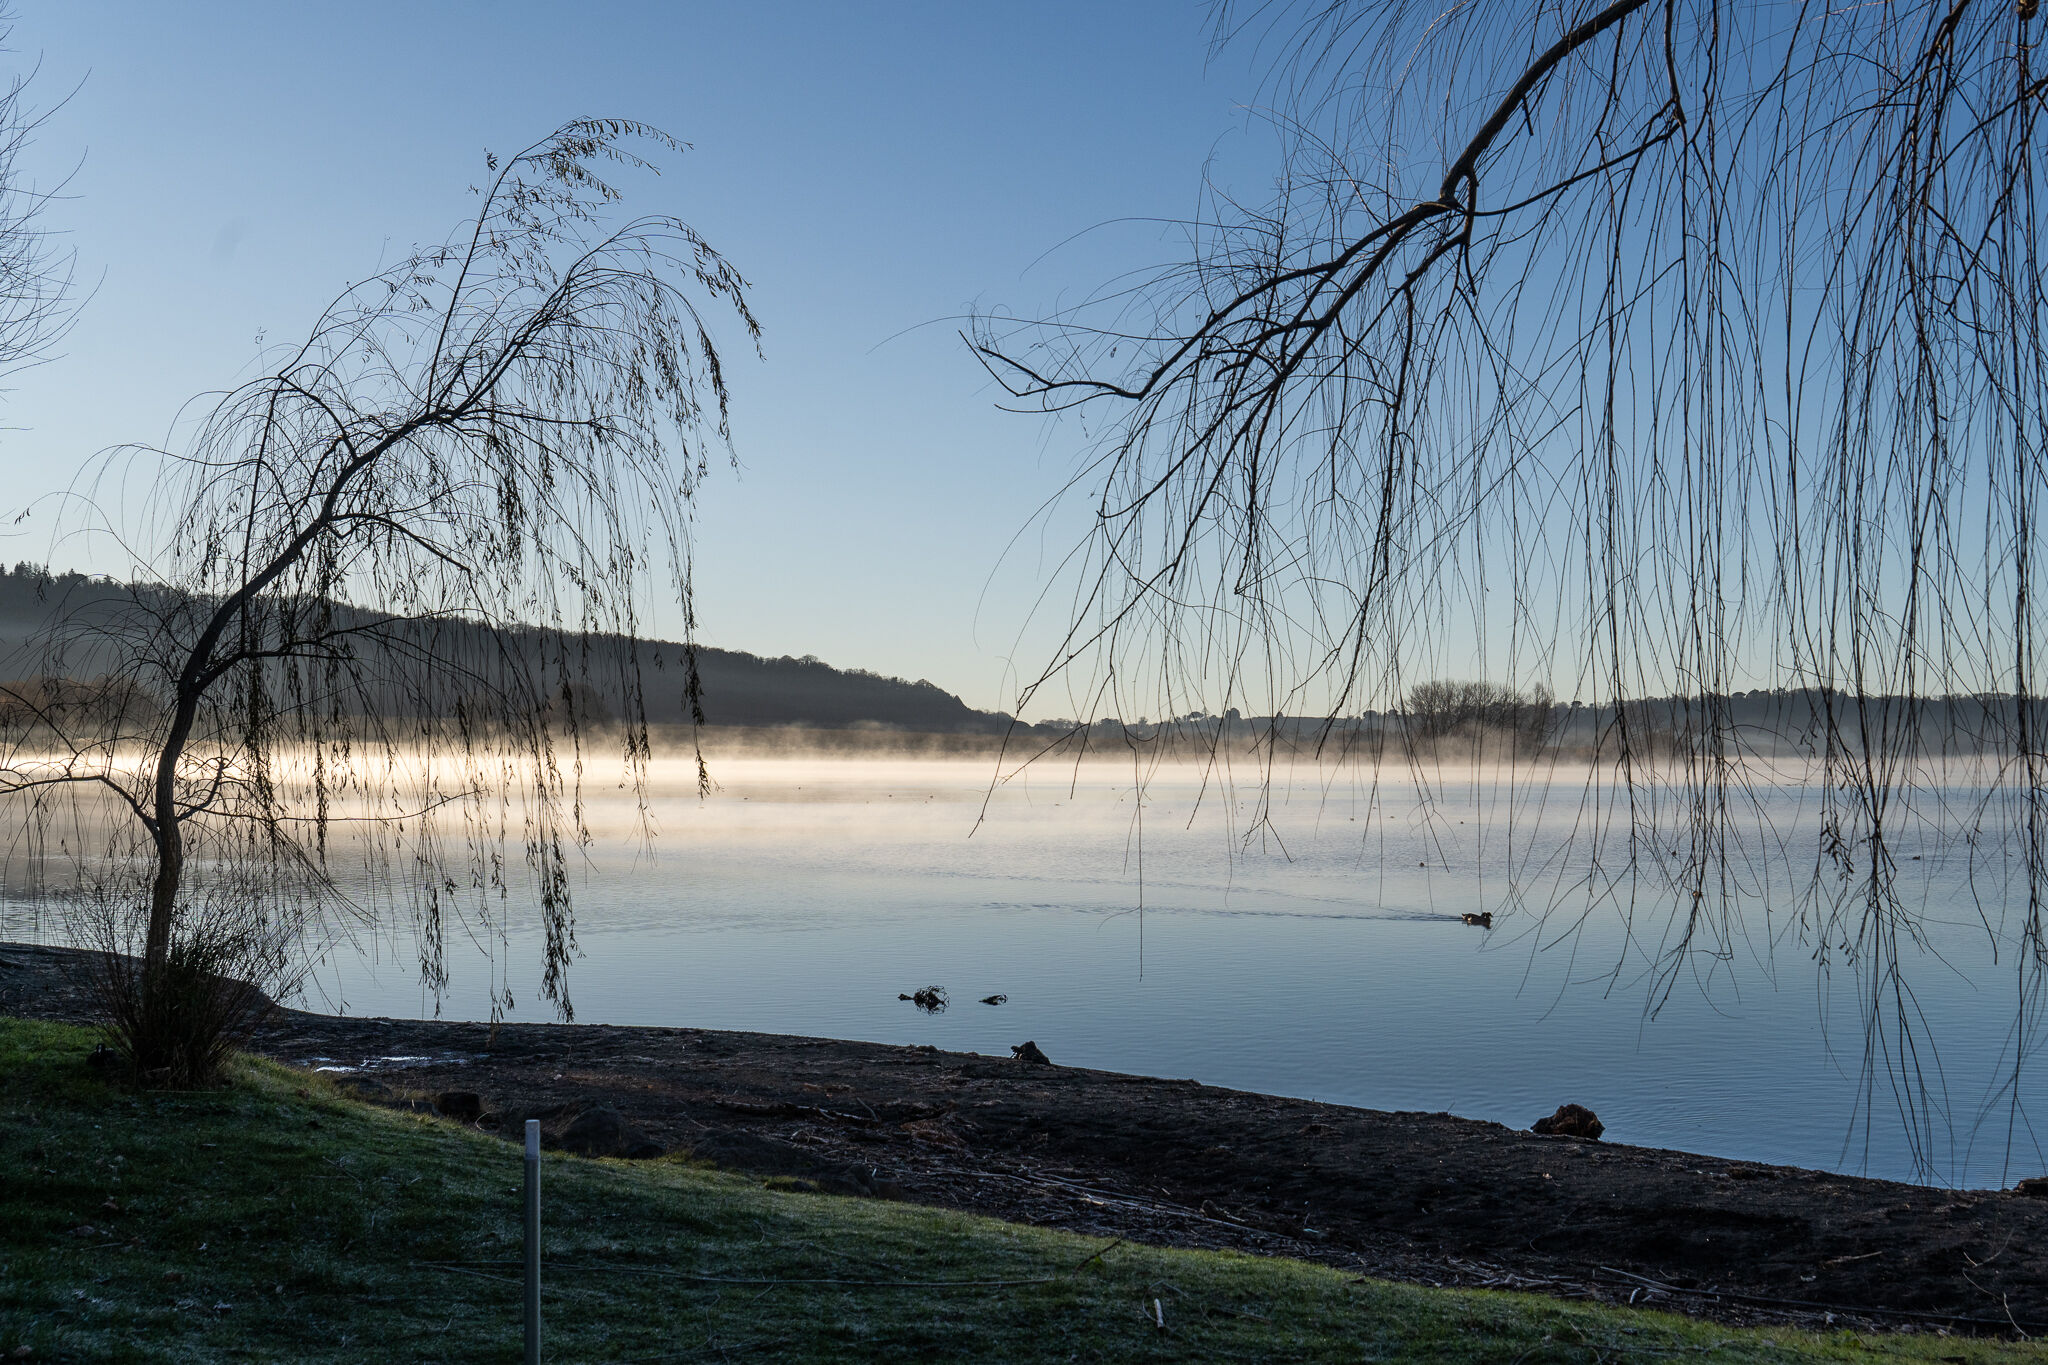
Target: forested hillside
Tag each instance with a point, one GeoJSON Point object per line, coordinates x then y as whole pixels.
{"type": "Point", "coordinates": [739, 689]}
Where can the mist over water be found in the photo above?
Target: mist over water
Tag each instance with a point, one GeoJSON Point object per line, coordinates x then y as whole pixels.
{"type": "Point", "coordinates": [1318, 954]}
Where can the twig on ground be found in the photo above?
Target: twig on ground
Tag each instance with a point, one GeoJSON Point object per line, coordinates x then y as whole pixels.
{"type": "Point", "coordinates": [1814, 1306]}
{"type": "Point", "coordinates": [1095, 1255]}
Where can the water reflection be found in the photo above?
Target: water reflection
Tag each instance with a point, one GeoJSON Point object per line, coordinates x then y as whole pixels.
{"type": "Point", "coordinates": [1482, 953]}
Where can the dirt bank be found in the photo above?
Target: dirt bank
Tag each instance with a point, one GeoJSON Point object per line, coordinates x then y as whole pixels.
{"type": "Point", "coordinates": [1420, 1197]}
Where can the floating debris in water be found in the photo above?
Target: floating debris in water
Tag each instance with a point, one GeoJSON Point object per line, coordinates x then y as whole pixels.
{"type": "Point", "coordinates": [932, 999]}
{"type": "Point", "coordinates": [994, 999]}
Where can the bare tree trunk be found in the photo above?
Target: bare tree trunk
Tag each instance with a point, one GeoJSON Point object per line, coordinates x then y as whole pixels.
{"type": "Point", "coordinates": [166, 828]}
{"type": "Point", "coordinates": [163, 898]}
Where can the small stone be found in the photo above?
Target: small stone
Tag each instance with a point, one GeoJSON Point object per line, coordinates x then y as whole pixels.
{"type": "Point", "coordinates": [464, 1106]}
{"type": "Point", "coordinates": [1571, 1120]}
{"type": "Point", "coordinates": [1030, 1052]}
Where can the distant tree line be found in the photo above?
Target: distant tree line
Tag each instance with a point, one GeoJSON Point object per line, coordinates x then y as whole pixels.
{"type": "Point", "coordinates": [1439, 709]}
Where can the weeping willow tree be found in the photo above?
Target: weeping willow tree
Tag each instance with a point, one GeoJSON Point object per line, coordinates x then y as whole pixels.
{"type": "Point", "coordinates": [1660, 348]}
{"type": "Point", "coordinates": [380, 576]}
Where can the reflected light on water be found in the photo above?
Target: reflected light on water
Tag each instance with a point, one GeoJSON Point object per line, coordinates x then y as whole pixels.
{"type": "Point", "coordinates": [1326, 957]}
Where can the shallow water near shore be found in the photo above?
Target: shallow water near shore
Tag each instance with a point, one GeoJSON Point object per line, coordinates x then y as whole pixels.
{"type": "Point", "coordinates": [1323, 957]}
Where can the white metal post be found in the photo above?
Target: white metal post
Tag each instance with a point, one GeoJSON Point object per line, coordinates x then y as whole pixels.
{"type": "Point", "coordinates": [533, 1242]}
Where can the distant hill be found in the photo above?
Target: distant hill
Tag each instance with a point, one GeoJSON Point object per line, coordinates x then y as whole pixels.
{"type": "Point", "coordinates": [739, 689]}
{"type": "Point", "coordinates": [746, 692]}
{"type": "Point", "coordinates": [743, 689]}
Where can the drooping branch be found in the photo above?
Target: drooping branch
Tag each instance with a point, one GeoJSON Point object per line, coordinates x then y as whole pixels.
{"type": "Point", "coordinates": [365, 554]}
{"type": "Point", "coordinates": [1663, 350]}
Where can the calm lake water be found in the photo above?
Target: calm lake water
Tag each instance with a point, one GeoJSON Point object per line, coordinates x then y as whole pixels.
{"type": "Point", "coordinates": [1323, 957]}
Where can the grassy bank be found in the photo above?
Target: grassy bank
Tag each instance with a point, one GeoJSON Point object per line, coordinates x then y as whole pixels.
{"type": "Point", "coordinates": [278, 1221]}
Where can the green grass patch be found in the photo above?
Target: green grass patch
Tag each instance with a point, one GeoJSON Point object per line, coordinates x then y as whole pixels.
{"type": "Point", "coordinates": [278, 1221]}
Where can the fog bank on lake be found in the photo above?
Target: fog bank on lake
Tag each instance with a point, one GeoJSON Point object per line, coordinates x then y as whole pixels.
{"type": "Point", "coordinates": [1323, 954]}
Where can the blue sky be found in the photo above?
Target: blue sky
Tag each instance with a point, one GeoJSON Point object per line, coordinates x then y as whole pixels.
{"type": "Point", "coordinates": [874, 169]}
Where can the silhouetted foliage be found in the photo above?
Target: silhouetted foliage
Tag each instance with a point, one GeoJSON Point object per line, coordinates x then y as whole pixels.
{"type": "Point", "coordinates": [1437, 709]}
{"type": "Point", "coordinates": [176, 1028]}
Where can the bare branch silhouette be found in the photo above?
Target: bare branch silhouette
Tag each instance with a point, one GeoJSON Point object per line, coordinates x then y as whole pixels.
{"type": "Point", "coordinates": [390, 566]}
{"type": "Point", "coordinates": [35, 270]}
{"type": "Point", "coordinates": [1663, 348]}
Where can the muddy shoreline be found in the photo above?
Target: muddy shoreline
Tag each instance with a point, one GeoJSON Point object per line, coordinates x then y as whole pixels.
{"type": "Point", "coordinates": [1428, 1198]}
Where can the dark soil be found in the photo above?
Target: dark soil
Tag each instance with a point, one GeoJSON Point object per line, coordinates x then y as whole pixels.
{"type": "Point", "coordinates": [1428, 1198]}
